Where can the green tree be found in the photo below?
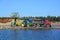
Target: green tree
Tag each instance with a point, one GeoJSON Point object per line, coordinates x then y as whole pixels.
{"type": "Point", "coordinates": [15, 15]}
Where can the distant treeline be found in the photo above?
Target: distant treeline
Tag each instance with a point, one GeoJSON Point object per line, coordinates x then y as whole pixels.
{"type": "Point", "coordinates": [50, 18]}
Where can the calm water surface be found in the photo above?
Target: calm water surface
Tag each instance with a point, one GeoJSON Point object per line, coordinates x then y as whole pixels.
{"type": "Point", "coordinates": [52, 34]}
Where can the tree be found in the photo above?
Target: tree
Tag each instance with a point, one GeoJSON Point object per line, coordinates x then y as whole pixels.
{"type": "Point", "coordinates": [15, 15]}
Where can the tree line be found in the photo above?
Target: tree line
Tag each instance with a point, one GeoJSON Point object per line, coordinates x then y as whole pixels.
{"type": "Point", "coordinates": [50, 18]}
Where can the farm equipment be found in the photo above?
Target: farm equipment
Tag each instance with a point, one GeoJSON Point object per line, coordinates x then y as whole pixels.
{"type": "Point", "coordinates": [41, 23]}
{"type": "Point", "coordinates": [36, 22]}
{"type": "Point", "coordinates": [32, 23]}
{"type": "Point", "coordinates": [27, 22]}
{"type": "Point", "coordinates": [47, 23]}
{"type": "Point", "coordinates": [17, 22]}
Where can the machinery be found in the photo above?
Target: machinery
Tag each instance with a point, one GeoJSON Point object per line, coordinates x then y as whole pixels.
{"type": "Point", "coordinates": [47, 23]}
{"type": "Point", "coordinates": [31, 23]}
{"type": "Point", "coordinates": [41, 23]}
{"type": "Point", "coordinates": [17, 22]}
{"type": "Point", "coordinates": [27, 22]}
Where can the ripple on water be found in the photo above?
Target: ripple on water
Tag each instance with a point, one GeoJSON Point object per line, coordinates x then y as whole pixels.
{"type": "Point", "coordinates": [52, 34]}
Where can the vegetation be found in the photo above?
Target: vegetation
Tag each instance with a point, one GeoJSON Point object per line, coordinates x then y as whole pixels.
{"type": "Point", "coordinates": [50, 18]}
{"type": "Point", "coordinates": [15, 15]}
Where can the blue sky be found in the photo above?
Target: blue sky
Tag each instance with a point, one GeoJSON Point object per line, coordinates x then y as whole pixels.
{"type": "Point", "coordinates": [30, 7]}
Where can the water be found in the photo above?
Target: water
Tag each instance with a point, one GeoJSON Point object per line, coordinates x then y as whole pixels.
{"type": "Point", "coordinates": [52, 34]}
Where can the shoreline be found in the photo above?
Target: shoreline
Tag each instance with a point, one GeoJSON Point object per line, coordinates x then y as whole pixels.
{"type": "Point", "coordinates": [29, 28]}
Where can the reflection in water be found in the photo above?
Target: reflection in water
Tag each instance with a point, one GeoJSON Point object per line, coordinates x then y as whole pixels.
{"type": "Point", "coordinates": [52, 34]}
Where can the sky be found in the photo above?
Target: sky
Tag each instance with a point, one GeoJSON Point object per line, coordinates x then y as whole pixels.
{"type": "Point", "coordinates": [30, 7]}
